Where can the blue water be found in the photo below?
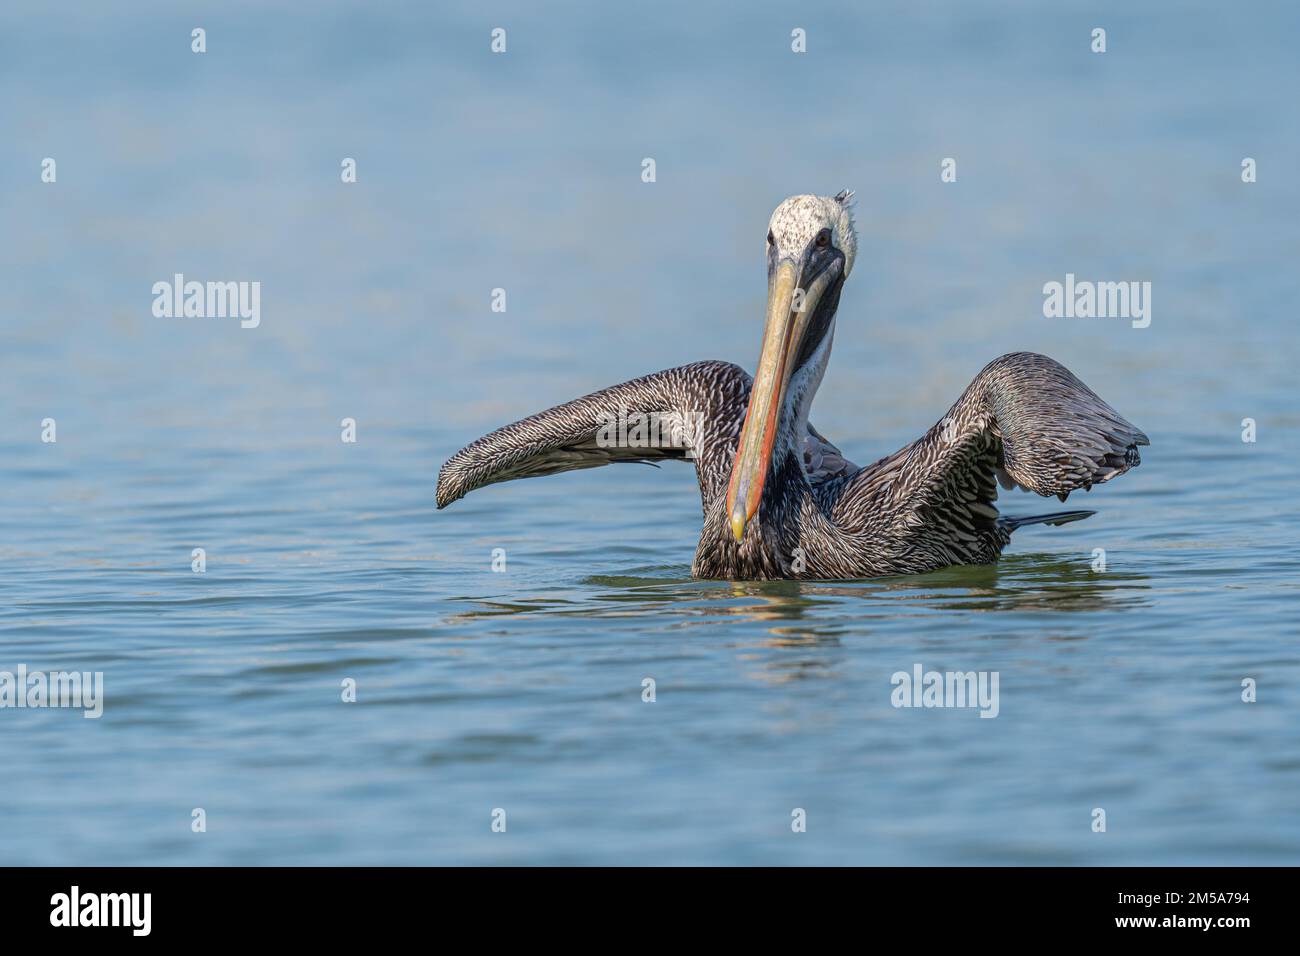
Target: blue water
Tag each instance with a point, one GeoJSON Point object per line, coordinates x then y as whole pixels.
{"type": "Point", "coordinates": [521, 690]}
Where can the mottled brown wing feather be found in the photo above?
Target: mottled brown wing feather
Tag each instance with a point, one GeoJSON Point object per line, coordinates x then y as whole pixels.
{"type": "Point", "coordinates": [1025, 420]}
{"type": "Point", "coordinates": [565, 438]}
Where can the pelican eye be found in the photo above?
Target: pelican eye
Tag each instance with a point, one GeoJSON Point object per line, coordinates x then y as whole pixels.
{"type": "Point", "coordinates": [823, 239]}
{"type": "Point", "coordinates": [771, 239]}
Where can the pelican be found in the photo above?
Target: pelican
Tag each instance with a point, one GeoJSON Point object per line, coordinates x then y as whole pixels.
{"type": "Point", "coordinates": [779, 500]}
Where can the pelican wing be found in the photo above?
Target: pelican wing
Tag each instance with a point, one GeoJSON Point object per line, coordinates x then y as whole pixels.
{"type": "Point", "coordinates": [1024, 421]}
{"type": "Point", "coordinates": [692, 412]}
{"type": "Point", "coordinates": [822, 461]}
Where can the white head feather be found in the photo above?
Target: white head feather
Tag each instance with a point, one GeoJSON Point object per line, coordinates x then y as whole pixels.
{"type": "Point", "coordinates": [798, 219]}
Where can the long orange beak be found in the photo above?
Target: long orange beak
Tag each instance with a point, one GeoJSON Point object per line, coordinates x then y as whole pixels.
{"type": "Point", "coordinates": [787, 320]}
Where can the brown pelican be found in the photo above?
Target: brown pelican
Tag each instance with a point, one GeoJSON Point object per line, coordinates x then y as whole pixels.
{"type": "Point", "coordinates": [779, 500]}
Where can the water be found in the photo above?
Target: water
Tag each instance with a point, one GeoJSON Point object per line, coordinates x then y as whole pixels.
{"type": "Point", "coordinates": [522, 690]}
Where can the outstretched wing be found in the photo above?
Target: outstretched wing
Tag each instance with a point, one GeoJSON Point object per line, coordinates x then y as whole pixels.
{"type": "Point", "coordinates": [703, 402]}
{"type": "Point", "coordinates": [692, 412]}
{"type": "Point", "coordinates": [1025, 420]}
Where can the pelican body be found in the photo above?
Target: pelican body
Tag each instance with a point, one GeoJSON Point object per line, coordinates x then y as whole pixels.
{"type": "Point", "coordinates": [778, 499]}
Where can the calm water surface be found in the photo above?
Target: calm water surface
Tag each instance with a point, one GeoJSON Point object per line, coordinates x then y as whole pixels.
{"type": "Point", "coordinates": [522, 690]}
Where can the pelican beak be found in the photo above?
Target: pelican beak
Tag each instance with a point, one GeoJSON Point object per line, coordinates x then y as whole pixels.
{"type": "Point", "coordinates": [789, 310]}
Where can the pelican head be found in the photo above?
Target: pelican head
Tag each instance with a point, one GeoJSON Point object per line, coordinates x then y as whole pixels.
{"type": "Point", "coordinates": [811, 245]}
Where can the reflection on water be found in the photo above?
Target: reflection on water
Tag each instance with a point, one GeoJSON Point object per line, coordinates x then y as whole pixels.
{"type": "Point", "coordinates": [1020, 582]}
{"type": "Point", "coordinates": [808, 619]}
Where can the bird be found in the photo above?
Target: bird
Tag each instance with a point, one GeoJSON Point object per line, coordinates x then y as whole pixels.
{"type": "Point", "coordinates": [778, 499]}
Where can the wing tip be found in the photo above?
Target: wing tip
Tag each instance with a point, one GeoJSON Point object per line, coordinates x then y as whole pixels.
{"type": "Point", "coordinates": [448, 489]}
